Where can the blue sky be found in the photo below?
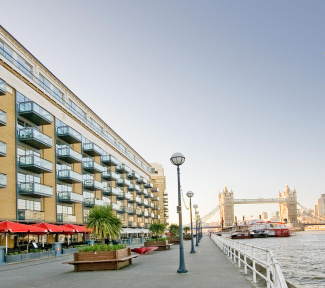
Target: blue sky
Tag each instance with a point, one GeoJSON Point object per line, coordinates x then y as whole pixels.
{"type": "Point", "coordinates": [236, 86]}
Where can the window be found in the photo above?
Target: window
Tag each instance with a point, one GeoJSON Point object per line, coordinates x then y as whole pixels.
{"type": "Point", "coordinates": [22, 178]}
{"type": "Point", "coordinates": [21, 98]}
{"type": "Point", "coordinates": [122, 147]}
{"type": "Point", "coordinates": [6, 51]}
{"type": "Point", "coordinates": [63, 209]}
{"type": "Point", "coordinates": [24, 66]}
{"type": "Point", "coordinates": [110, 138]}
{"type": "Point", "coordinates": [96, 125]}
{"type": "Point", "coordinates": [29, 205]}
{"type": "Point", "coordinates": [57, 93]}
{"type": "Point", "coordinates": [77, 109]}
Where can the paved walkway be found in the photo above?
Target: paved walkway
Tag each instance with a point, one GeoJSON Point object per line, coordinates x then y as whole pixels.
{"type": "Point", "coordinates": [207, 268]}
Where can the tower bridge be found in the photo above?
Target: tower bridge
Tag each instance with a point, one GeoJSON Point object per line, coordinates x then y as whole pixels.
{"type": "Point", "coordinates": [287, 201]}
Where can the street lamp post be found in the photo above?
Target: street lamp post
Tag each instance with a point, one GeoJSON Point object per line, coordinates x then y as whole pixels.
{"type": "Point", "coordinates": [190, 194]}
{"type": "Point", "coordinates": [178, 159]}
{"type": "Point", "coordinates": [196, 228]}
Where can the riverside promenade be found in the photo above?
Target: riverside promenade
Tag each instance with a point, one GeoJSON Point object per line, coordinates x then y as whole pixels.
{"type": "Point", "coordinates": [208, 268]}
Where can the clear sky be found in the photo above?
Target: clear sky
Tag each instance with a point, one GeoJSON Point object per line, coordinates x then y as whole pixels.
{"type": "Point", "coordinates": [236, 86]}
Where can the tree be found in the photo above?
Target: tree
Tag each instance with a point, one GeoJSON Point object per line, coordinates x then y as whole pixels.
{"type": "Point", "coordinates": [186, 229]}
{"type": "Point", "coordinates": [174, 229]}
{"type": "Point", "coordinates": [157, 229]}
{"type": "Point", "coordinates": [104, 223]}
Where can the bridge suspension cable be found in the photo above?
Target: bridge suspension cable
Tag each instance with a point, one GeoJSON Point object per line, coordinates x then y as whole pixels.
{"type": "Point", "coordinates": [310, 215]}
{"type": "Point", "coordinates": [210, 214]}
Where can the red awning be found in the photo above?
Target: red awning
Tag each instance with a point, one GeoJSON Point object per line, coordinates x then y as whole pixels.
{"type": "Point", "coordinates": [14, 227]}
{"type": "Point", "coordinates": [51, 228]}
{"type": "Point", "coordinates": [77, 228]}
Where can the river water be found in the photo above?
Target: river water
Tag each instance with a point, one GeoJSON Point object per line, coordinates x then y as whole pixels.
{"type": "Point", "coordinates": [302, 257]}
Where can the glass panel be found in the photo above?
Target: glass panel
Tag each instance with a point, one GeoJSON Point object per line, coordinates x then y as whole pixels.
{"type": "Point", "coordinates": [67, 151]}
{"type": "Point", "coordinates": [3, 117]}
{"type": "Point", "coordinates": [3, 148]}
{"type": "Point", "coordinates": [32, 132]}
{"type": "Point", "coordinates": [32, 106]}
{"type": "Point", "coordinates": [64, 130]}
{"type": "Point", "coordinates": [3, 180]}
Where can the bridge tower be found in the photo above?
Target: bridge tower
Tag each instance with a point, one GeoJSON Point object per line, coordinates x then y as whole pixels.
{"type": "Point", "coordinates": [226, 203]}
{"type": "Point", "coordinates": [288, 209]}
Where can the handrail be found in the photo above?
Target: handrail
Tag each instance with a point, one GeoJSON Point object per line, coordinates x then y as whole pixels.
{"type": "Point", "coordinates": [240, 252]}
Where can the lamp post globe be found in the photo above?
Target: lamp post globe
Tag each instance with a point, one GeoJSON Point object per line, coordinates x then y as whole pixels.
{"type": "Point", "coordinates": [190, 194]}
{"type": "Point", "coordinates": [178, 159]}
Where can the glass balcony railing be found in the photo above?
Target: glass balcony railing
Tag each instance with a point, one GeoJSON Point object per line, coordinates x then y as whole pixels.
{"type": "Point", "coordinates": [133, 187]}
{"type": "Point", "coordinates": [155, 198]}
{"type": "Point", "coordinates": [121, 210]}
{"type": "Point", "coordinates": [69, 176]}
{"type": "Point", "coordinates": [3, 180]}
{"type": "Point", "coordinates": [91, 166]}
{"type": "Point", "coordinates": [89, 202]}
{"type": "Point", "coordinates": [132, 200]}
{"type": "Point", "coordinates": [92, 149]}
{"type": "Point", "coordinates": [146, 214]}
{"type": "Point", "coordinates": [69, 197]}
{"type": "Point", "coordinates": [152, 215]}
{"type": "Point", "coordinates": [3, 118]}
{"type": "Point", "coordinates": [35, 164]}
{"type": "Point", "coordinates": [3, 87]}
{"type": "Point", "coordinates": [67, 154]}
{"type": "Point", "coordinates": [30, 215]}
{"type": "Point", "coordinates": [66, 218]}
{"type": "Point", "coordinates": [138, 212]}
{"type": "Point", "coordinates": [109, 160]}
{"type": "Point", "coordinates": [34, 113]}
{"type": "Point", "coordinates": [3, 149]}
{"type": "Point", "coordinates": [133, 175]}
{"type": "Point", "coordinates": [100, 202]}
{"type": "Point", "coordinates": [148, 185]}
{"type": "Point", "coordinates": [110, 175]}
{"type": "Point", "coordinates": [150, 195]}
{"type": "Point", "coordinates": [120, 195]}
{"type": "Point", "coordinates": [144, 192]}
{"type": "Point", "coordinates": [111, 191]}
{"type": "Point", "coordinates": [115, 206]}
{"type": "Point", "coordinates": [93, 185]}
{"type": "Point", "coordinates": [142, 181]}
{"type": "Point", "coordinates": [68, 134]}
{"type": "Point", "coordinates": [123, 169]}
{"type": "Point", "coordinates": [123, 182]}
{"type": "Point", "coordinates": [34, 138]}
{"type": "Point", "coordinates": [130, 210]}
{"type": "Point", "coordinates": [154, 189]}
{"type": "Point", "coordinates": [128, 196]}
{"type": "Point", "coordinates": [155, 207]}
{"type": "Point", "coordinates": [35, 189]}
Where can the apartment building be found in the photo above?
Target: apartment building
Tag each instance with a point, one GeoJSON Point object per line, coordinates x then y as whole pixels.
{"type": "Point", "coordinates": [58, 159]}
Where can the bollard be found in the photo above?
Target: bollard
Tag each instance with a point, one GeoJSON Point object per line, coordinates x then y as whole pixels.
{"type": "Point", "coordinates": [2, 255]}
{"type": "Point", "coordinates": [91, 242]}
{"type": "Point", "coordinates": [57, 246]}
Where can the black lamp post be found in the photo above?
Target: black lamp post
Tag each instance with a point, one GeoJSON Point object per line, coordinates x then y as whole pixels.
{"type": "Point", "coordinates": [178, 159]}
{"type": "Point", "coordinates": [196, 227]}
{"type": "Point", "coordinates": [190, 194]}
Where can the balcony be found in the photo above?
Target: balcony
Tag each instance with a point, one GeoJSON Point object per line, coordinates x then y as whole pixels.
{"type": "Point", "coordinates": [33, 137]}
{"type": "Point", "coordinates": [89, 202]}
{"type": "Point", "coordinates": [35, 164]}
{"type": "Point", "coordinates": [130, 210]}
{"type": "Point", "coordinates": [133, 187]}
{"type": "Point", "coordinates": [155, 207]}
{"type": "Point", "coordinates": [99, 202]}
{"type": "Point", "coordinates": [3, 87]}
{"type": "Point", "coordinates": [123, 169]}
{"type": "Point", "coordinates": [120, 195]}
{"type": "Point", "coordinates": [3, 180]}
{"type": "Point", "coordinates": [133, 175]}
{"type": "Point", "coordinates": [132, 224]}
{"type": "Point", "coordinates": [3, 118]}
{"type": "Point", "coordinates": [69, 197]}
{"type": "Point", "coordinates": [69, 176]}
{"type": "Point", "coordinates": [146, 204]}
{"type": "Point", "coordinates": [92, 149]}
{"type": "Point", "coordinates": [140, 225]}
{"type": "Point", "coordinates": [34, 113]}
{"type": "Point", "coordinates": [111, 191]}
{"type": "Point", "coordinates": [91, 166]}
{"type": "Point", "coordinates": [109, 160]}
{"type": "Point", "coordinates": [152, 205]}
{"type": "Point", "coordinates": [138, 212]}
{"type": "Point", "coordinates": [123, 182]}
{"type": "Point", "coordinates": [35, 189]}
{"type": "Point", "coordinates": [142, 181]}
{"type": "Point", "coordinates": [155, 189]}
{"type": "Point", "coordinates": [128, 196]}
{"type": "Point", "coordinates": [155, 198]}
{"type": "Point", "coordinates": [148, 185]}
{"type": "Point", "coordinates": [66, 218]}
{"type": "Point", "coordinates": [121, 210]}
{"type": "Point", "coordinates": [93, 185]}
{"type": "Point", "coordinates": [3, 149]}
{"type": "Point", "coordinates": [69, 135]}
{"type": "Point", "coordinates": [152, 215]}
{"type": "Point", "coordinates": [147, 195]}
{"type": "Point", "coordinates": [68, 155]}
{"type": "Point", "coordinates": [146, 214]}
{"type": "Point", "coordinates": [30, 215]}
{"type": "Point", "coordinates": [110, 175]}
{"type": "Point", "coordinates": [139, 201]}
{"type": "Point", "coordinates": [115, 206]}
{"type": "Point", "coordinates": [144, 192]}
{"type": "Point", "coordinates": [132, 200]}
{"type": "Point", "coordinates": [150, 195]}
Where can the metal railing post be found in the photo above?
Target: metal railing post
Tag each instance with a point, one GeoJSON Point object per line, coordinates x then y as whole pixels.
{"type": "Point", "coordinates": [254, 265]}
{"type": "Point", "coordinates": [245, 260]}
{"type": "Point", "coordinates": [268, 272]}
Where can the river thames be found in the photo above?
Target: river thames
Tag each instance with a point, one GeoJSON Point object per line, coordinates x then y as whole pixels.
{"type": "Point", "coordinates": [301, 257]}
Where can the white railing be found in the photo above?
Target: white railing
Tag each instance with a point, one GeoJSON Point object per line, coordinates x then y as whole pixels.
{"type": "Point", "coordinates": [248, 256]}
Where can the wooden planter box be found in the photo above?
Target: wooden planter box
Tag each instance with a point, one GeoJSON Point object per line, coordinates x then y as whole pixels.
{"type": "Point", "coordinates": [174, 240]}
{"type": "Point", "coordinates": [162, 245]}
{"type": "Point", "coordinates": [102, 260]}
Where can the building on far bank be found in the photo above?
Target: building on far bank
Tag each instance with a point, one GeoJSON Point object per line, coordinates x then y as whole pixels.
{"type": "Point", "coordinates": [58, 159]}
{"type": "Point", "coordinates": [264, 216]}
{"type": "Point", "coordinates": [321, 205]}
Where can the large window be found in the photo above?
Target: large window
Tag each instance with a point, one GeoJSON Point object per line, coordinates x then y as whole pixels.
{"type": "Point", "coordinates": [29, 205]}
{"type": "Point", "coordinates": [6, 51]}
{"type": "Point", "coordinates": [46, 84]}
{"type": "Point", "coordinates": [24, 66]}
{"type": "Point", "coordinates": [64, 209]}
{"type": "Point", "coordinates": [96, 125]}
{"type": "Point", "coordinates": [77, 109]}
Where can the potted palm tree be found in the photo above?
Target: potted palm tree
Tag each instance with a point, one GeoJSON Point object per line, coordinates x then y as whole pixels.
{"type": "Point", "coordinates": [104, 224]}
{"type": "Point", "coordinates": [187, 235]}
{"type": "Point", "coordinates": [157, 230]}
